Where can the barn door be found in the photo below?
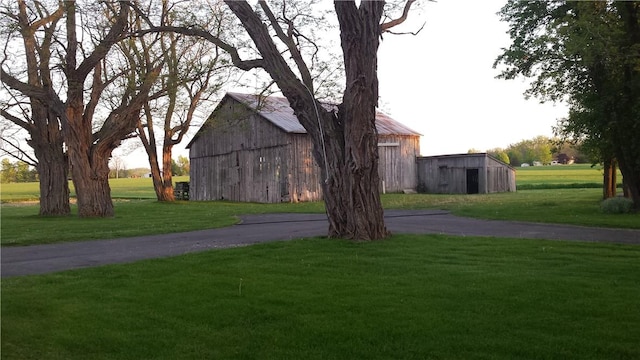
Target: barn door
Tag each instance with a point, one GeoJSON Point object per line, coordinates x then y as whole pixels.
{"type": "Point", "coordinates": [473, 181]}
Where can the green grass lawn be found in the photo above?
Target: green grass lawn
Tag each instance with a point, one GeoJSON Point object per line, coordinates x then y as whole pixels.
{"type": "Point", "coordinates": [561, 176]}
{"type": "Point", "coordinates": [410, 297]}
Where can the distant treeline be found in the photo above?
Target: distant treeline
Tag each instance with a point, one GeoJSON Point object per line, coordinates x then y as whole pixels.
{"type": "Point", "coordinates": [19, 171]}
{"type": "Point", "coordinates": [539, 149]}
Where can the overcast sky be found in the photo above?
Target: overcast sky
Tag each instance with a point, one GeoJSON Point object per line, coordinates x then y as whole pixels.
{"type": "Point", "coordinates": [441, 83]}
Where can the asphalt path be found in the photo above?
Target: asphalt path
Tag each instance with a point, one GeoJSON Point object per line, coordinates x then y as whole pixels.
{"type": "Point", "coordinates": [253, 229]}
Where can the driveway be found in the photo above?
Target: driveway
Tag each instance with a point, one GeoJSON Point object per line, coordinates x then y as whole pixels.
{"type": "Point", "coordinates": [253, 229]}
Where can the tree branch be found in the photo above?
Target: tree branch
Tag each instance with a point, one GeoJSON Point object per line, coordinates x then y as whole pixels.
{"type": "Point", "coordinates": [291, 45]}
{"type": "Point", "coordinates": [232, 51]}
{"type": "Point", "coordinates": [405, 12]}
{"type": "Point", "coordinates": [113, 36]}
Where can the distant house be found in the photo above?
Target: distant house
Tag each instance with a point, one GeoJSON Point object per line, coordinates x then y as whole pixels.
{"type": "Point", "coordinates": [565, 159]}
{"type": "Point", "coordinates": [254, 149]}
{"type": "Point", "coordinates": [464, 174]}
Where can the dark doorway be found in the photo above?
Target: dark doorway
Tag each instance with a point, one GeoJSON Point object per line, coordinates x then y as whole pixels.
{"type": "Point", "coordinates": [473, 180]}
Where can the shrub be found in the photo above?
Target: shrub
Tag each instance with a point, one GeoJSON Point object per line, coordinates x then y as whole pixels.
{"type": "Point", "coordinates": [616, 205]}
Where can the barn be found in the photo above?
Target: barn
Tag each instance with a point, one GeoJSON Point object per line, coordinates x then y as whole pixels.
{"type": "Point", "coordinates": [464, 174]}
{"type": "Point", "coordinates": [254, 149]}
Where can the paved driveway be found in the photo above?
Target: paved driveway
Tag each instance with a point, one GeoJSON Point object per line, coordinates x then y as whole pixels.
{"type": "Point", "coordinates": [40, 259]}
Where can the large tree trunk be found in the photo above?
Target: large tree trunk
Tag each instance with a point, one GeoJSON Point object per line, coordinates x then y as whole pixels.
{"type": "Point", "coordinates": [345, 144]}
{"type": "Point", "coordinates": [609, 188]}
{"type": "Point", "coordinates": [53, 169]}
{"type": "Point", "coordinates": [53, 164]}
{"type": "Point", "coordinates": [626, 142]}
{"type": "Point", "coordinates": [360, 37]}
{"type": "Point", "coordinates": [631, 179]}
{"type": "Point", "coordinates": [162, 180]}
{"type": "Point", "coordinates": [89, 166]}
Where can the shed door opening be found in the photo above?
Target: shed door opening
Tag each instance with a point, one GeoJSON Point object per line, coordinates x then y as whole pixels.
{"type": "Point", "coordinates": [473, 186]}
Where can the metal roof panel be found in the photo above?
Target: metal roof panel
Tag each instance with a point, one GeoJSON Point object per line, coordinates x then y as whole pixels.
{"type": "Point", "coordinates": [277, 111]}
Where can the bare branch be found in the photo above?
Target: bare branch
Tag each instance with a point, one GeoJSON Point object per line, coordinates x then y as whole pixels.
{"type": "Point", "coordinates": [287, 39]}
{"type": "Point", "coordinates": [405, 12]}
{"type": "Point", "coordinates": [407, 32]}
{"type": "Point", "coordinates": [232, 51]}
{"type": "Point", "coordinates": [21, 154]}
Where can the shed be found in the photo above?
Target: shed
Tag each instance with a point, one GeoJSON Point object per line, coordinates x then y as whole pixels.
{"type": "Point", "coordinates": [464, 174]}
{"type": "Point", "coordinates": [254, 149]}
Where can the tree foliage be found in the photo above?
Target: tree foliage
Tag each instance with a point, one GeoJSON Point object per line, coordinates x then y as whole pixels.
{"type": "Point", "coordinates": [17, 172]}
{"type": "Point", "coordinates": [588, 54]}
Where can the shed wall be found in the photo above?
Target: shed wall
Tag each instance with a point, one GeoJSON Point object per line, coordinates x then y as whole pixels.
{"type": "Point", "coordinates": [500, 178]}
{"type": "Point", "coordinates": [448, 174]}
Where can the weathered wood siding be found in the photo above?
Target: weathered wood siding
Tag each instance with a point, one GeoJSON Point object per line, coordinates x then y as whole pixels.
{"type": "Point", "coordinates": [447, 174]}
{"type": "Point", "coordinates": [239, 157]}
{"type": "Point", "coordinates": [397, 162]}
{"type": "Point", "coordinates": [304, 174]}
{"type": "Point", "coordinates": [500, 178]}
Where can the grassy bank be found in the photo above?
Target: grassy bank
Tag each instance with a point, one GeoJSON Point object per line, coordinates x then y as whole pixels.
{"type": "Point", "coordinates": [411, 297]}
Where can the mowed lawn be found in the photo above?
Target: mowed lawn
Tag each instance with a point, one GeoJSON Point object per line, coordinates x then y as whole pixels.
{"type": "Point", "coordinates": [561, 176]}
{"type": "Point", "coordinates": [407, 297]}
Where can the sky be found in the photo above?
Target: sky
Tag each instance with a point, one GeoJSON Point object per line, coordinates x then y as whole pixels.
{"type": "Point", "coordinates": [441, 83]}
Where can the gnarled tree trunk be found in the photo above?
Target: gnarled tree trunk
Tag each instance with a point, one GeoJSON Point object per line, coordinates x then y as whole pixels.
{"type": "Point", "coordinates": [359, 37]}
{"type": "Point", "coordinates": [345, 143]}
{"type": "Point", "coordinates": [609, 188]}
{"type": "Point", "coordinates": [53, 169]}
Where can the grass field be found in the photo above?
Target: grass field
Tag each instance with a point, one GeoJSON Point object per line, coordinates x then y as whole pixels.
{"type": "Point", "coordinates": [137, 213]}
{"type": "Point", "coordinates": [561, 176]}
{"type": "Point", "coordinates": [408, 297]}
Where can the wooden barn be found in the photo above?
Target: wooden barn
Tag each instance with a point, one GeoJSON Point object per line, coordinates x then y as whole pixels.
{"type": "Point", "coordinates": [464, 174]}
{"type": "Point", "coordinates": [254, 149]}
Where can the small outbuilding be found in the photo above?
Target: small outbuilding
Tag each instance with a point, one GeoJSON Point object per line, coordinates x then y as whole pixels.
{"type": "Point", "coordinates": [464, 174]}
{"type": "Point", "coordinates": [254, 149]}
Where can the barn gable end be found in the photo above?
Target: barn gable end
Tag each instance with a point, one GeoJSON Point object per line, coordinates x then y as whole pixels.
{"type": "Point", "coordinates": [254, 149]}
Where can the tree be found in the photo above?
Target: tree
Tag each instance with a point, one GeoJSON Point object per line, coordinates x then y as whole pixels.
{"type": "Point", "coordinates": [587, 53]}
{"type": "Point", "coordinates": [183, 164]}
{"type": "Point", "coordinates": [500, 155]}
{"type": "Point", "coordinates": [526, 151]}
{"type": "Point", "coordinates": [345, 137]}
{"type": "Point", "coordinates": [118, 167]}
{"type": "Point", "coordinates": [28, 108]}
{"type": "Point", "coordinates": [83, 77]}
{"type": "Point", "coordinates": [345, 141]}
{"type": "Point", "coordinates": [193, 70]}
{"type": "Point", "coordinates": [8, 171]}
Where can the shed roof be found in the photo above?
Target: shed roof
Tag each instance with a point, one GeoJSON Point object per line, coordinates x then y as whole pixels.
{"type": "Point", "coordinates": [445, 156]}
{"type": "Point", "coordinates": [277, 111]}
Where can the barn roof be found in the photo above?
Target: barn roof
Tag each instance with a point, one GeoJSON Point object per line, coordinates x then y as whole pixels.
{"type": "Point", "coordinates": [277, 111]}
